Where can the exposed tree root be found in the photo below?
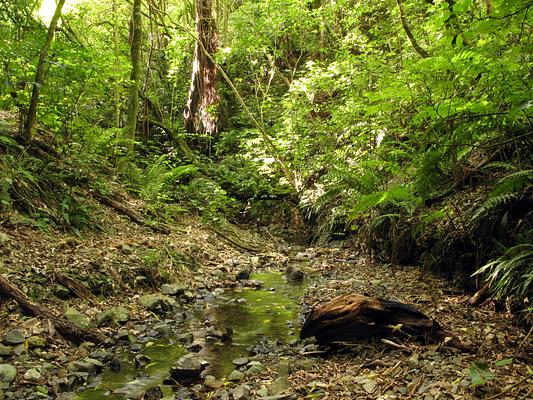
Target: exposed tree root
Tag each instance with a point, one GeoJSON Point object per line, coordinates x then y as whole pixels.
{"type": "Point", "coordinates": [234, 242]}
{"type": "Point", "coordinates": [66, 329]}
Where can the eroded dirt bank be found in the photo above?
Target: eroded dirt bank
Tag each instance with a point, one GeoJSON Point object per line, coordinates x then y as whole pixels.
{"type": "Point", "coordinates": [146, 291]}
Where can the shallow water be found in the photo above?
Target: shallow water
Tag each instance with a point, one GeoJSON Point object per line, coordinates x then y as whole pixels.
{"type": "Point", "coordinates": [255, 315]}
{"type": "Point", "coordinates": [267, 314]}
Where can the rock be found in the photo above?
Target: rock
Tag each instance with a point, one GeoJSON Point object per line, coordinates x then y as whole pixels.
{"type": "Point", "coordinates": [173, 289]}
{"type": "Point", "coordinates": [155, 302]}
{"type": "Point", "coordinates": [195, 346]}
{"type": "Point", "coordinates": [61, 292]}
{"type": "Point", "coordinates": [241, 361]}
{"type": "Point", "coordinates": [287, 396]}
{"type": "Point", "coordinates": [97, 363]}
{"type": "Point", "coordinates": [101, 355]}
{"type": "Point", "coordinates": [67, 396]}
{"type": "Point", "coordinates": [76, 318]}
{"type": "Point", "coordinates": [162, 327]}
{"type": "Point", "coordinates": [212, 383]}
{"type": "Point", "coordinates": [222, 394]}
{"type": "Point", "coordinates": [126, 249]}
{"type": "Point", "coordinates": [243, 274]}
{"type": "Point", "coordinates": [280, 385]}
{"type": "Point", "coordinates": [254, 368]}
{"type": "Point", "coordinates": [32, 374]}
{"type": "Point", "coordinates": [115, 365]}
{"type": "Point", "coordinates": [5, 351]}
{"type": "Point", "coordinates": [123, 334]}
{"type": "Point", "coordinates": [119, 315]}
{"type": "Point", "coordinates": [222, 332]}
{"type": "Point", "coordinates": [141, 360]}
{"type": "Point", "coordinates": [294, 274]}
{"type": "Point", "coordinates": [36, 342]}
{"type": "Point", "coordinates": [189, 366]}
{"type": "Point", "coordinates": [235, 376]}
{"type": "Point", "coordinates": [185, 338]}
{"type": "Point", "coordinates": [255, 261]}
{"type": "Point", "coordinates": [241, 392]}
{"type": "Point", "coordinates": [81, 366]}
{"type": "Point", "coordinates": [14, 337]}
{"type": "Point", "coordinates": [7, 373]}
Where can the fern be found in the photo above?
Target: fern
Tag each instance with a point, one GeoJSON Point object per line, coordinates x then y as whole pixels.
{"type": "Point", "coordinates": [513, 182]}
{"type": "Point", "coordinates": [398, 195]}
{"type": "Point", "coordinates": [492, 204]}
{"type": "Point", "coordinates": [506, 191]}
{"type": "Point", "coordinates": [512, 273]}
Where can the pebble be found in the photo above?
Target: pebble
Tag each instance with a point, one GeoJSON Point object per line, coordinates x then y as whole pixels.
{"type": "Point", "coordinates": [241, 361]}
{"type": "Point", "coordinates": [32, 374]}
{"type": "Point", "coordinates": [212, 383]}
{"type": "Point", "coordinates": [5, 350]}
{"type": "Point", "coordinates": [235, 376]}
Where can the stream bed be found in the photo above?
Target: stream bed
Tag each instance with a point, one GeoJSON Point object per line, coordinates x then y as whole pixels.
{"type": "Point", "coordinates": [260, 319]}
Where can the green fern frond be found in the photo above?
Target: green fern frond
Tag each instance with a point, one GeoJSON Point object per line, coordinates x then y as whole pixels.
{"type": "Point", "coordinates": [492, 204]}
{"type": "Point", "coordinates": [513, 182]}
{"type": "Point", "coordinates": [399, 195]}
{"type": "Point", "coordinates": [500, 165]}
{"type": "Point", "coordinates": [512, 273]}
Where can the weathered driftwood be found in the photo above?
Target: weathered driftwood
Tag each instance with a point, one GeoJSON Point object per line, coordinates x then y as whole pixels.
{"type": "Point", "coordinates": [355, 317]}
{"type": "Point", "coordinates": [66, 329]}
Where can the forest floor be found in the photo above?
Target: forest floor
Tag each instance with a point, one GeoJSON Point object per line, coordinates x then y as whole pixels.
{"type": "Point", "coordinates": [101, 281]}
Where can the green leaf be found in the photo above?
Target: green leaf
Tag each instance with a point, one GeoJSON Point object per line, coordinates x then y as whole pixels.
{"type": "Point", "coordinates": [479, 374]}
{"type": "Point", "coordinates": [505, 361]}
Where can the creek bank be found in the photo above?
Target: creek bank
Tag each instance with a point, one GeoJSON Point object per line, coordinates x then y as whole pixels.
{"type": "Point", "coordinates": [137, 331]}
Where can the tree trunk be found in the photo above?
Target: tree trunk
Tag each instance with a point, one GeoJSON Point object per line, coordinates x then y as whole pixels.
{"type": "Point", "coordinates": [116, 51]}
{"type": "Point", "coordinates": [135, 77]}
{"type": "Point", "coordinates": [39, 75]}
{"type": "Point", "coordinates": [423, 53]}
{"type": "Point", "coordinates": [200, 114]}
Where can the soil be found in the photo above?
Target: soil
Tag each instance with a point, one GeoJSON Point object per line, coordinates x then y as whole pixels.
{"type": "Point", "coordinates": [94, 271]}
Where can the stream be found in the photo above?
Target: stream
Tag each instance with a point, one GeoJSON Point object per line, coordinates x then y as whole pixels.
{"type": "Point", "coordinates": [259, 317]}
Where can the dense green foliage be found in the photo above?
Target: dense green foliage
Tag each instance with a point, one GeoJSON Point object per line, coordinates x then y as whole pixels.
{"type": "Point", "coordinates": [425, 156]}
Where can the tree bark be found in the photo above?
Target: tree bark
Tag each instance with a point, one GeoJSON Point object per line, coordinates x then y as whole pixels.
{"type": "Point", "coordinates": [116, 52]}
{"type": "Point", "coordinates": [200, 114]}
{"type": "Point", "coordinates": [423, 53]}
{"type": "Point", "coordinates": [135, 77]}
{"type": "Point", "coordinates": [39, 75]}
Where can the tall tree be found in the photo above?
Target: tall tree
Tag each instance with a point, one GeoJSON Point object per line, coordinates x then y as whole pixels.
{"type": "Point", "coordinates": [135, 77]}
{"type": "Point", "coordinates": [39, 74]}
{"type": "Point", "coordinates": [199, 113]}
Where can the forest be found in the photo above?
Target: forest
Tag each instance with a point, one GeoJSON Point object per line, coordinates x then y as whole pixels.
{"type": "Point", "coordinates": [266, 199]}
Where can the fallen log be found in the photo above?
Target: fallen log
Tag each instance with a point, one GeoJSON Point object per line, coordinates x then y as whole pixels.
{"type": "Point", "coordinates": [66, 329]}
{"type": "Point", "coordinates": [133, 215]}
{"type": "Point", "coordinates": [355, 317]}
